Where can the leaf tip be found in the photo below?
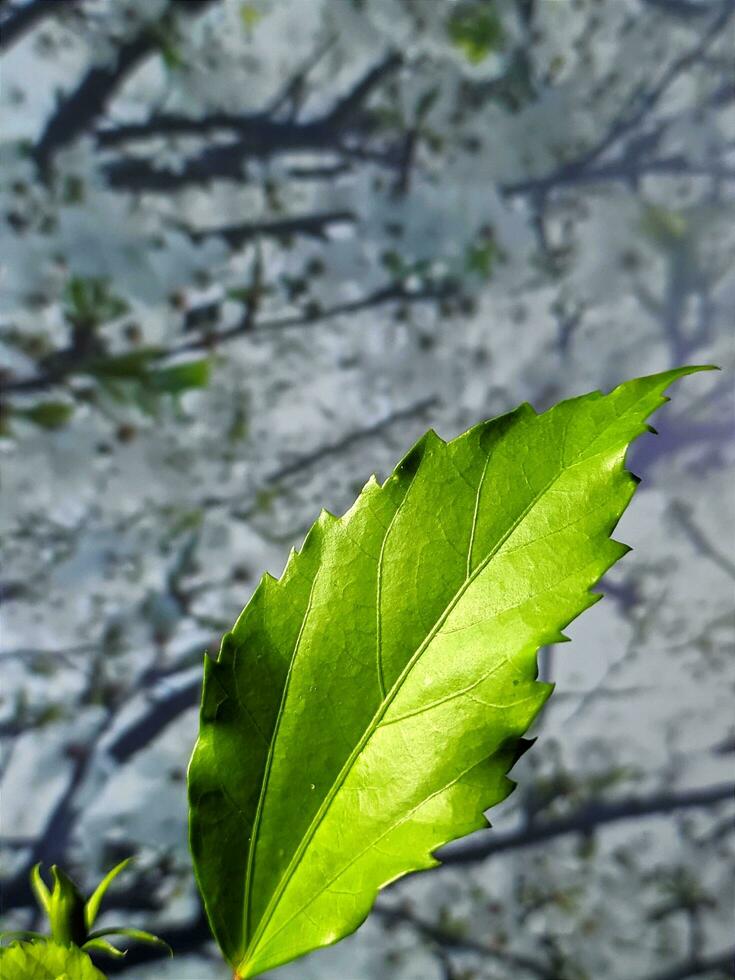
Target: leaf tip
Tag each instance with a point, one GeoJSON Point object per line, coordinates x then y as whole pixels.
{"type": "Point", "coordinates": [680, 372]}
{"type": "Point", "coordinates": [695, 368]}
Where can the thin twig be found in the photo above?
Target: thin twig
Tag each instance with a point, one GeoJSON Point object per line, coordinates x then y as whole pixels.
{"type": "Point", "coordinates": [585, 820]}
{"type": "Point", "coordinates": [309, 225]}
{"type": "Point", "coordinates": [23, 17]}
{"type": "Point", "coordinates": [77, 112]}
{"type": "Point", "coordinates": [449, 940]}
{"type": "Point", "coordinates": [683, 516]}
{"type": "Point", "coordinates": [724, 962]}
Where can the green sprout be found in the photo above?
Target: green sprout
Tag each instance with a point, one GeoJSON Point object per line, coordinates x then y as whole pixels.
{"type": "Point", "coordinates": [71, 917]}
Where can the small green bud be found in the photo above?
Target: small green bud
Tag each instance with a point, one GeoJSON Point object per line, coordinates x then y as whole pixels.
{"type": "Point", "coordinates": [66, 910]}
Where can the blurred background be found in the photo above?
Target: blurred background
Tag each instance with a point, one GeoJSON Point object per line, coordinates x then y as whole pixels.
{"type": "Point", "coordinates": [251, 250]}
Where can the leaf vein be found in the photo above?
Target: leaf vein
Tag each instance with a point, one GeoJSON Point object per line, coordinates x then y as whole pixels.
{"type": "Point", "coordinates": [269, 765]}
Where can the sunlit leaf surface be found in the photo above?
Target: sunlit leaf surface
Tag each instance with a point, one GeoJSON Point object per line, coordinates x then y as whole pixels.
{"type": "Point", "coordinates": [46, 961]}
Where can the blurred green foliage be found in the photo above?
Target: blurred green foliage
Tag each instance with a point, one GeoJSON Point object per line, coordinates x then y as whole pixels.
{"type": "Point", "coordinates": [476, 29]}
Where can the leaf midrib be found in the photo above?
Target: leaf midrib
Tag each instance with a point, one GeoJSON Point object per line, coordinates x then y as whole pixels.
{"type": "Point", "coordinates": [377, 717]}
{"type": "Point", "coordinates": [269, 764]}
{"type": "Point", "coordinates": [373, 843]}
{"type": "Point", "coordinates": [398, 823]}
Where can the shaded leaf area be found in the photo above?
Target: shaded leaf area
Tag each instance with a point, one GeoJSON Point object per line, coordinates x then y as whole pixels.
{"type": "Point", "coordinates": [367, 706]}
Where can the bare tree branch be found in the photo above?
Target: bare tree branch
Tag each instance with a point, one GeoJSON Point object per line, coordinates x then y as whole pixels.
{"type": "Point", "coordinates": [337, 448]}
{"type": "Point", "coordinates": [227, 162]}
{"type": "Point", "coordinates": [586, 820]}
{"type": "Point", "coordinates": [649, 99]}
{"type": "Point", "coordinates": [77, 111]}
{"type": "Point", "coordinates": [391, 293]}
{"type": "Point", "coordinates": [348, 105]}
{"type": "Point", "coordinates": [259, 135]}
{"type": "Point", "coordinates": [629, 166]}
{"type": "Point", "coordinates": [449, 940]}
{"type": "Point", "coordinates": [147, 727]}
{"type": "Point", "coordinates": [394, 292]}
{"type": "Point", "coordinates": [308, 459]}
{"type": "Point", "coordinates": [52, 843]}
{"type": "Point", "coordinates": [723, 962]}
{"type": "Point", "coordinates": [685, 9]}
{"type": "Point", "coordinates": [309, 225]}
{"type": "Point", "coordinates": [699, 539]}
{"type": "Point", "coordinates": [292, 93]}
{"type": "Point", "coordinates": [21, 18]}
{"type": "Point", "coordinates": [623, 171]}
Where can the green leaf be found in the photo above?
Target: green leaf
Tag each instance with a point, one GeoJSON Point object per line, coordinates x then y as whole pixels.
{"type": "Point", "coordinates": [132, 365]}
{"type": "Point", "coordinates": [481, 257]}
{"type": "Point", "coordinates": [71, 918]}
{"type": "Point", "coordinates": [48, 415]}
{"type": "Point", "coordinates": [104, 948]}
{"type": "Point", "coordinates": [171, 54]}
{"type": "Point", "coordinates": [40, 889]}
{"type": "Point", "coordinates": [46, 961]}
{"type": "Point", "coordinates": [139, 935]}
{"type": "Point", "coordinates": [476, 29]}
{"type": "Point", "coordinates": [250, 16]}
{"type": "Point", "coordinates": [92, 907]}
{"type": "Point", "coordinates": [89, 301]}
{"type": "Point", "coordinates": [181, 377]}
{"type": "Point", "coordinates": [367, 706]}
{"type": "Point", "coordinates": [666, 228]}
